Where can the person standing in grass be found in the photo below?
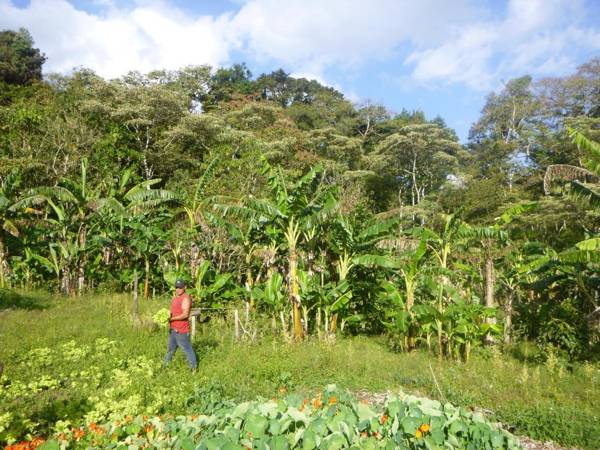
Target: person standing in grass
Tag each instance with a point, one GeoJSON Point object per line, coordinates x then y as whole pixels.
{"type": "Point", "coordinates": [179, 326]}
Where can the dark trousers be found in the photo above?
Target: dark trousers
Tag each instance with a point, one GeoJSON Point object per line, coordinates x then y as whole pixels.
{"type": "Point", "coordinates": [181, 340]}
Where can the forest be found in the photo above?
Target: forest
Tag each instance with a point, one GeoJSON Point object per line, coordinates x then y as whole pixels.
{"type": "Point", "coordinates": [322, 219]}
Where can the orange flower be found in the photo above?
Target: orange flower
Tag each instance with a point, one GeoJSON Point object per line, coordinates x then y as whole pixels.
{"type": "Point", "coordinates": [418, 434]}
{"type": "Point", "coordinates": [301, 408]}
{"type": "Point", "coordinates": [332, 400]}
{"type": "Point", "coordinates": [148, 428]}
{"type": "Point", "coordinates": [383, 419]}
{"type": "Point", "coordinates": [317, 403]}
{"type": "Point", "coordinates": [78, 434]}
{"type": "Point", "coordinates": [35, 443]}
{"type": "Point", "coordinates": [282, 390]}
{"type": "Point", "coordinates": [194, 416]}
{"type": "Point", "coordinates": [305, 402]}
{"type": "Point", "coordinates": [128, 419]}
{"type": "Point", "coordinates": [424, 428]}
{"type": "Point", "coordinates": [364, 434]}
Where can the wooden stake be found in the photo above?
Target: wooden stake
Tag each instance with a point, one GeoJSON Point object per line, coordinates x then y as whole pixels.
{"type": "Point", "coordinates": [135, 307]}
{"type": "Point", "coordinates": [236, 319]}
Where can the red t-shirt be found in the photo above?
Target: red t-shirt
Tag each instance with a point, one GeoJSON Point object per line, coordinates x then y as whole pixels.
{"type": "Point", "coordinates": [181, 326]}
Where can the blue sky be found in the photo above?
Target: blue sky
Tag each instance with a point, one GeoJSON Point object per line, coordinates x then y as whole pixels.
{"type": "Point", "coordinates": [440, 56]}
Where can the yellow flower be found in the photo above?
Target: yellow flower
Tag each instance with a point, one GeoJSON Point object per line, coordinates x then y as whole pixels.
{"type": "Point", "coordinates": [424, 428]}
{"type": "Point", "coordinates": [418, 434]}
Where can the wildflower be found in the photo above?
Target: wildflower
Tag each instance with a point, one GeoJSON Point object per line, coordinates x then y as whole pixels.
{"type": "Point", "coordinates": [418, 434]}
{"type": "Point", "coordinates": [282, 390]}
{"type": "Point", "coordinates": [364, 434]}
{"type": "Point", "coordinates": [148, 428]}
{"type": "Point", "coordinates": [383, 419]}
{"type": "Point", "coordinates": [35, 443]}
{"type": "Point", "coordinates": [78, 434]}
{"type": "Point", "coordinates": [317, 403]}
{"type": "Point", "coordinates": [332, 400]}
{"type": "Point", "coordinates": [424, 428]}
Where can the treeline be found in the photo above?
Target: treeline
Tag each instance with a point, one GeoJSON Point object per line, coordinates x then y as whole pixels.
{"type": "Point", "coordinates": [279, 192]}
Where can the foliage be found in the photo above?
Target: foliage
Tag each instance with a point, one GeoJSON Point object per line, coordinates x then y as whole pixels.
{"type": "Point", "coordinates": [20, 62]}
{"type": "Point", "coordinates": [76, 383]}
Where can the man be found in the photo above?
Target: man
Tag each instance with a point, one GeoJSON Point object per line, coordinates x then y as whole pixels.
{"type": "Point", "coordinates": [179, 332]}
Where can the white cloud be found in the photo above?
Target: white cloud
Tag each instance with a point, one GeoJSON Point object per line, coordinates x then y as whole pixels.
{"type": "Point", "coordinates": [538, 37]}
{"type": "Point", "coordinates": [312, 35]}
{"type": "Point", "coordinates": [146, 37]}
{"type": "Point", "coordinates": [456, 41]}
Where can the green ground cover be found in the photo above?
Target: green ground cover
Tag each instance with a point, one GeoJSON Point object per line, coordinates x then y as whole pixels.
{"type": "Point", "coordinates": [73, 361]}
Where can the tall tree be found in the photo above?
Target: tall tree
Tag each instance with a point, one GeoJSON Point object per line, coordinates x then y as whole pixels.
{"type": "Point", "coordinates": [20, 62]}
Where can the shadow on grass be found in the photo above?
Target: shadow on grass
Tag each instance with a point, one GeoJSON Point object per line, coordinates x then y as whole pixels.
{"type": "Point", "coordinates": [14, 300]}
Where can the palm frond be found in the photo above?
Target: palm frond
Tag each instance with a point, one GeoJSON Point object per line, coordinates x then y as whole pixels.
{"type": "Point", "coordinates": [151, 197]}
{"type": "Point", "coordinates": [589, 245]}
{"type": "Point", "coordinates": [592, 148]}
{"type": "Point", "coordinates": [10, 227]}
{"type": "Point", "coordinates": [111, 204]}
{"type": "Point", "coordinates": [577, 256]}
{"type": "Point", "coordinates": [565, 172]}
{"type": "Point", "coordinates": [383, 261]}
{"type": "Point", "coordinates": [235, 211]}
{"type": "Point", "coordinates": [379, 230]}
{"type": "Point", "coordinates": [205, 179]}
{"type": "Point", "coordinates": [143, 186]}
{"type": "Point", "coordinates": [581, 192]}
{"type": "Point", "coordinates": [516, 210]}
{"type": "Point", "coordinates": [11, 183]}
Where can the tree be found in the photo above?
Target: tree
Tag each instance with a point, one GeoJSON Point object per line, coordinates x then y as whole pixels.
{"type": "Point", "coordinates": [416, 159]}
{"type": "Point", "coordinates": [20, 62]}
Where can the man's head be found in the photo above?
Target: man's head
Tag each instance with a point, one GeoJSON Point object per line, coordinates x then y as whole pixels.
{"type": "Point", "coordinates": [179, 287]}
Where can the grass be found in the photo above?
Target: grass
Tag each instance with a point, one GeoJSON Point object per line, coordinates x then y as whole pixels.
{"type": "Point", "coordinates": [544, 402]}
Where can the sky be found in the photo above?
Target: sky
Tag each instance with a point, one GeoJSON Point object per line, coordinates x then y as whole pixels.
{"type": "Point", "coordinates": [440, 56]}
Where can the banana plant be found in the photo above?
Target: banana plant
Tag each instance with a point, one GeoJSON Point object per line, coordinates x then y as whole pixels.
{"type": "Point", "coordinates": [8, 224]}
{"type": "Point", "coordinates": [409, 265]}
{"type": "Point", "coordinates": [213, 288]}
{"type": "Point", "coordinates": [285, 218]}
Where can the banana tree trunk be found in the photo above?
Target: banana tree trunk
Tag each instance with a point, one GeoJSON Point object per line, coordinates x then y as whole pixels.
{"type": "Point", "coordinates": [295, 294]}
{"type": "Point", "coordinates": [489, 292]}
{"type": "Point", "coordinates": [81, 265]}
{"type": "Point", "coordinates": [489, 282]}
{"type": "Point", "coordinates": [66, 281]}
{"type": "Point", "coordinates": [135, 306]}
{"type": "Point", "coordinates": [508, 310]}
{"type": "Point", "coordinates": [81, 278]}
{"type": "Point", "coordinates": [3, 264]}
{"type": "Point", "coordinates": [146, 278]}
{"type": "Point", "coordinates": [318, 321]}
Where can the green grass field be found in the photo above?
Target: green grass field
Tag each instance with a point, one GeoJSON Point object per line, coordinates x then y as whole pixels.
{"type": "Point", "coordinates": [70, 360]}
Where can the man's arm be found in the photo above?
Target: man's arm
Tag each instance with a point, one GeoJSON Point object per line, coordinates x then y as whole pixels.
{"type": "Point", "coordinates": [185, 309]}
